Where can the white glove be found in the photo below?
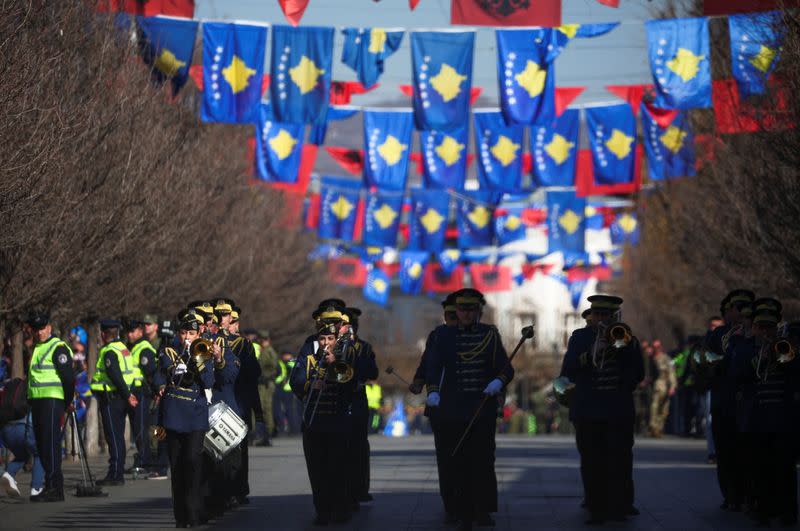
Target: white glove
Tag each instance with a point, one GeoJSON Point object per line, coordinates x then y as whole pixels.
{"type": "Point", "coordinates": [433, 399]}
{"type": "Point", "coordinates": [180, 369]}
{"type": "Point", "coordinates": [494, 387]}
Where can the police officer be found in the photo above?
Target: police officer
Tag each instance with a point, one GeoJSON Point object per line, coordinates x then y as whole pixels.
{"type": "Point", "coordinates": [365, 370]}
{"type": "Point", "coordinates": [327, 424]}
{"type": "Point", "coordinates": [111, 384]}
{"type": "Point", "coordinates": [183, 413]}
{"type": "Point", "coordinates": [143, 365]}
{"type": "Point", "coordinates": [466, 363]}
{"type": "Point", "coordinates": [445, 485]}
{"type": "Point", "coordinates": [51, 385]}
{"type": "Point", "coordinates": [268, 361]}
{"type": "Point", "coordinates": [284, 403]}
{"type": "Point", "coordinates": [605, 370]}
{"type": "Point", "coordinates": [730, 476]}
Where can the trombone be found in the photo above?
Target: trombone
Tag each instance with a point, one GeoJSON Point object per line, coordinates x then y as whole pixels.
{"type": "Point", "coordinates": [616, 336]}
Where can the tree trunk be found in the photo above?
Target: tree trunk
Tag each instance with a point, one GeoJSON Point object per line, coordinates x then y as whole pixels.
{"type": "Point", "coordinates": [92, 417]}
{"type": "Point", "coordinates": [17, 361]}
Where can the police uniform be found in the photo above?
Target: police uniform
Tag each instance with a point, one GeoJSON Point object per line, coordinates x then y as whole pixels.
{"type": "Point", "coordinates": [111, 384]}
{"type": "Point", "coordinates": [727, 442]}
{"type": "Point", "coordinates": [446, 489]}
{"type": "Point", "coordinates": [268, 361]}
{"type": "Point", "coordinates": [365, 369]}
{"type": "Point", "coordinates": [143, 366]}
{"type": "Point", "coordinates": [602, 410]}
{"type": "Point", "coordinates": [51, 385]}
{"type": "Point", "coordinates": [327, 425]}
{"type": "Point", "coordinates": [183, 413]}
{"type": "Point", "coordinates": [768, 401]}
{"type": "Point", "coordinates": [465, 364]}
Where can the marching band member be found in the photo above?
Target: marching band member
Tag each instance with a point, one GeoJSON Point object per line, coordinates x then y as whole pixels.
{"type": "Point", "coordinates": [445, 490]}
{"type": "Point", "coordinates": [327, 424]}
{"type": "Point", "coordinates": [466, 363]}
{"type": "Point", "coordinates": [183, 413]}
{"type": "Point", "coordinates": [365, 369]}
{"type": "Point", "coordinates": [605, 368]}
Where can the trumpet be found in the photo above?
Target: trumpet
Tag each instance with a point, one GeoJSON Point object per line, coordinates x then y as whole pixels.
{"type": "Point", "coordinates": [341, 370]}
{"type": "Point", "coordinates": [619, 335]}
{"type": "Point", "coordinates": [201, 350]}
{"type": "Point", "coordinates": [784, 351]}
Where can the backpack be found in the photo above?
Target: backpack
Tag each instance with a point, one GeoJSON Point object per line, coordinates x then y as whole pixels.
{"type": "Point", "coordinates": [14, 401]}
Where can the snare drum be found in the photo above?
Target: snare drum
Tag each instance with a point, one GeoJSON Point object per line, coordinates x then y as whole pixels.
{"type": "Point", "coordinates": [226, 431]}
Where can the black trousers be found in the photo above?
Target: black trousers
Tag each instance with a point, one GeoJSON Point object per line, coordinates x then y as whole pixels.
{"type": "Point", "coordinates": [186, 468]}
{"type": "Point", "coordinates": [727, 443]}
{"type": "Point", "coordinates": [159, 461]}
{"type": "Point", "coordinates": [775, 475]}
{"type": "Point", "coordinates": [46, 413]}
{"type": "Point", "coordinates": [112, 413]}
{"type": "Point", "coordinates": [604, 447]}
{"type": "Point", "coordinates": [446, 490]}
{"type": "Point", "coordinates": [326, 461]}
{"type": "Point", "coordinates": [358, 468]}
{"type": "Point", "coordinates": [139, 418]}
{"type": "Point", "coordinates": [470, 473]}
{"type": "Point", "coordinates": [219, 481]}
{"type": "Point", "coordinates": [582, 463]}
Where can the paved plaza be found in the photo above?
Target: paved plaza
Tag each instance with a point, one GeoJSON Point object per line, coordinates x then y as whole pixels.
{"type": "Point", "coordinates": [538, 480]}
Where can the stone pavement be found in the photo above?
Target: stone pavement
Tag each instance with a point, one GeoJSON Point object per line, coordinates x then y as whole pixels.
{"type": "Point", "coordinates": [538, 479]}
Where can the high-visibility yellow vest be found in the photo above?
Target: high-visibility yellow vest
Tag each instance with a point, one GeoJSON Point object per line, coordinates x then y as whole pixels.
{"type": "Point", "coordinates": [101, 381]}
{"type": "Point", "coordinates": [374, 395]}
{"type": "Point", "coordinates": [283, 379]}
{"type": "Point", "coordinates": [257, 349]}
{"type": "Point", "coordinates": [43, 380]}
{"type": "Point", "coordinates": [136, 356]}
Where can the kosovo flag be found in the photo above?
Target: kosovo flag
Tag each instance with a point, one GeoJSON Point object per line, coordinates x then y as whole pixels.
{"type": "Point", "coordinates": [595, 220]}
{"type": "Point", "coordinates": [475, 211]}
{"type": "Point", "coordinates": [499, 148]}
{"type": "Point", "coordinates": [365, 50]}
{"type": "Point", "coordinates": [338, 204]}
{"type": "Point", "coordinates": [233, 65]}
{"type": "Point", "coordinates": [376, 289]}
{"type": "Point", "coordinates": [576, 288]}
{"type": "Point", "coordinates": [279, 148]}
{"type": "Point", "coordinates": [319, 130]}
{"type": "Point", "coordinates": [566, 222]}
{"type": "Point", "coordinates": [508, 225]}
{"type": "Point", "coordinates": [300, 86]}
{"type": "Point", "coordinates": [412, 269]}
{"type": "Point", "coordinates": [526, 75]}
{"type": "Point", "coordinates": [167, 44]}
{"type": "Point", "coordinates": [444, 155]}
{"type": "Point", "coordinates": [625, 229]}
{"type": "Point", "coordinates": [566, 32]}
{"type": "Point", "coordinates": [448, 260]}
{"type": "Point", "coordinates": [612, 136]}
{"type": "Point", "coordinates": [680, 61]}
{"type": "Point", "coordinates": [555, 150]}
{"type": "Point", "coordinates": [669, 150]}
{"type": "Point", "coordinates": [756, 40]}
{"type": "Point", "coordinates": [430, 209]}
{"type": "Point", "coordinates": [387, 135]}
{"type": "Point", "coordinates": [382, 218]}
{"type": "Point", "coordinates": [442, 67]}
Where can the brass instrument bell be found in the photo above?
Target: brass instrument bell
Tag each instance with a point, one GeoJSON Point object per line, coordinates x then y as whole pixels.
{"type": "Point", "coordinates": [784, 351]}
{"type": "Point", "coordinates": [619, 335]}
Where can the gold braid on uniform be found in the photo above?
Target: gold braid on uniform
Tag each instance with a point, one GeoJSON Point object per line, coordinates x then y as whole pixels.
{"type": "Point", "coordinates": [469, 355]}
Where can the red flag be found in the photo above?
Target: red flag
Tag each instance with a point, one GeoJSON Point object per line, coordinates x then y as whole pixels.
{"type": "Point", "coordinates": [196, 73]}
{"type": "Point", "coordinates": [705, 150]}
{"type": "Point", "coordinates": [390, 269]}
{"type": "Point", "coordinates": [737, 116]}
{"type": "Point", "coordinates": [534, 216]}
{"type": "Point", "coordinates": [347, 271]}
{"type": "Point", "coordinates": [351, 160]}
{"type": "Point", "coordinates": [417, 159]}
{"type": "Point", "coordinates": [575, 274]}
{"type": "Point", "coordinates": [663, 117]}
{"type": "Point", "coordinates": [412, 4]}
{"type": "Point", "coordinates": [358, 228]}
{"type": "Point", "coordinates": [726, 7]}
{"type": "Point", "coordinates": [565, 96]}
{"type": "Point", "coordinates": [609, 3]}
{"type": "Point", "coordinates": [312, 214]}
{"type": "Point", "coordinates": [584, 177]}
{"type": "Point", "coordinates": [488, 278]}
{"type": "Point", "coordinates": [474, 92]}
{"type": "Point", "coordinates": [342, 91]}
{"type": "Point", "coordinates": [527, 163]}
{"type": "Point", "coordinates": [508, 13]}
{"type": "Point", "coordinates": [149, 8]}
{"type": "Point", "coordinates": [633, 94]}
{"type": "Point", "coordinates": [307, 161]}
{"type": "Point", "coordinates": [293, 10]}
{"type": "Point", "coordinates": [436, 281]}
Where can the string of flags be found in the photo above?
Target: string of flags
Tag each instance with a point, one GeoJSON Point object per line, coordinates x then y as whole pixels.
{"type": "Point", "coordinates": [437, 236]}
